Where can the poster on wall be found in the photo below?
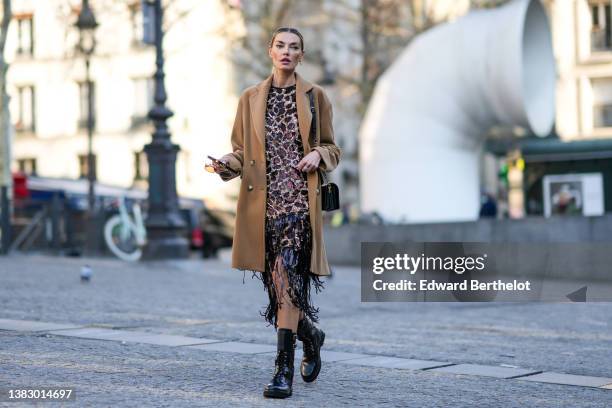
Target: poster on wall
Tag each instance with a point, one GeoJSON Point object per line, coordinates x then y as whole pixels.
{"type": "Point", "coordinates": [573, 194]}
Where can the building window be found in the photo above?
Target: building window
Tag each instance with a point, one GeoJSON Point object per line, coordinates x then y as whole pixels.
{"type": "Point", "coordinates": [602, 102]}
{"type": "Point", "coordinates": [83, 166]}
{"type": "Point", "coordinates": [26, 112]}
{"type": "Point", "coordinates": [27, 166]}
{"type": "Point", "coordinates": [25, 34]}
{"type": "Point", "coordinates": [143, 100]}
{"type": "Point", "coordinates": [141, 166]}
{"type": "Point", "coordinates": [83, 104]}
{"type": "Point", "coordinates": [142, 21]}
{"type": "Point", "coordinates": [601, 25]}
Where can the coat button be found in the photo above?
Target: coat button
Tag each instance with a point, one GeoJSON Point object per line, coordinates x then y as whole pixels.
{"type": "Point", "coordinates": [250, 187]}
{"type": "Point", "coordinates": [252, 162]}
{"type": "Point", "coordinates": [318, 191]}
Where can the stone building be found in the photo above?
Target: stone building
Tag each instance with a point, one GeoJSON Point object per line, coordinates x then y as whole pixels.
{"type": "Point", "coordinates": [47, 86]}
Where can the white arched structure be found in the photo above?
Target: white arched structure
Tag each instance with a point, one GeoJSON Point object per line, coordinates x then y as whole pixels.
{"type": "Point", "coordinates": [422, 135]}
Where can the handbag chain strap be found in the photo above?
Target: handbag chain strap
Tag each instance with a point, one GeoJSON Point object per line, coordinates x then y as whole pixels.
{"type": "Point", "coordinates": [313, 133]}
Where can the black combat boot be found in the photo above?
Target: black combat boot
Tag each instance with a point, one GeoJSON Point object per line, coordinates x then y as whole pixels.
{"type": "Point", "coordinates": [313, 339]}
{"type": "Point", "coordinates": [280, 386]}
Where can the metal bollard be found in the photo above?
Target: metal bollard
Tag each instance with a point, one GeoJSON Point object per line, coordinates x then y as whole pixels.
{"type": "Point", "coordinates": [5, 222]}
{"type": "Point", "coordinates": [55, 221]}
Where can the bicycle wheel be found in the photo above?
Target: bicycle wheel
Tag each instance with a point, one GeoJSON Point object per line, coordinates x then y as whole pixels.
{"type": "Point", "coordinates": [121, 240]}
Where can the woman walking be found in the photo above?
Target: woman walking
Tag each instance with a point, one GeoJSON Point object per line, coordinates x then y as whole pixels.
{"type": "Point", "coordinates": [278, 231]}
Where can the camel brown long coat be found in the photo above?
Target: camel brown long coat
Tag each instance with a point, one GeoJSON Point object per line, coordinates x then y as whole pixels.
{"type": "Point", "coordinates": [248, 156]}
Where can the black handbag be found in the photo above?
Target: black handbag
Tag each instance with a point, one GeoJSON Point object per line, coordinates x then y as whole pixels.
{"type": "Point", "coordinates": [330, 194]}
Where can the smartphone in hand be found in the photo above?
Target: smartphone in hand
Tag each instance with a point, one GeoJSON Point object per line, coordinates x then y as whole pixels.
{"type": "Point", "coordinates": [210, 167]}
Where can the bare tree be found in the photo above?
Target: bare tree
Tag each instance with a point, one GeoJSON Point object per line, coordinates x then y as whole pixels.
{"type": "Point", "coordinates": [487, 3]}
{"type": "Point", "coordinates": [259, 19]}
{"type": "Point", "coordinates": [381, 27]}
{"type": "Point", "coordinates": [386, 26]}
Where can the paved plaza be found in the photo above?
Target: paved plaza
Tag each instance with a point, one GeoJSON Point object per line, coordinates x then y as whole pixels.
{"type": "Point", "coordinates": [188, 333]}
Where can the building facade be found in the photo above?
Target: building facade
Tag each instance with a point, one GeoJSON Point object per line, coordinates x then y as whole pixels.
{"type": "Point", "coordinates": [582, 32]}
{"type": "Point", "coordinates": [46, 83]}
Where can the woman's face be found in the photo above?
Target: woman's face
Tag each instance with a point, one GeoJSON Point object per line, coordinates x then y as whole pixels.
{"type": "Point", "coordinates": [286, 51]}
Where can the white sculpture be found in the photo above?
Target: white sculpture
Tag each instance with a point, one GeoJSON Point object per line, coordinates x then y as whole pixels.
{"type": "Point", "coordinates": [423, 132]}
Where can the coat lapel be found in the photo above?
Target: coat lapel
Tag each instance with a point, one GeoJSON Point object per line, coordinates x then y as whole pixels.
{"type": "Point", "coordinates": [258, 108]}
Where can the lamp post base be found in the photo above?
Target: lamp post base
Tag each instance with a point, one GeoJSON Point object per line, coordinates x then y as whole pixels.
{"type": "Point", "coordinates": [166, 229]}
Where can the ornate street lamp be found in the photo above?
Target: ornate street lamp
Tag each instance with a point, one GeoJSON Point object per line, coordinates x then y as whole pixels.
{"type": "Point", "coordinates": [87, 24]}
{"type": "Point", "coordinates": [165, 226]}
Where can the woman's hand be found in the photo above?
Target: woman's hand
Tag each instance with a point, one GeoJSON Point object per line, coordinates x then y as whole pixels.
{"type": "Point", "coordinates": [220, 166]}
{"type": "Point", "coordinates": [310, 162]}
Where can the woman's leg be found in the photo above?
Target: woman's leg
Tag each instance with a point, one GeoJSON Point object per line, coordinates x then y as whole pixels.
{"type": "Point", "coordinates": [287, 321]}
{"type": "Point", "coordinates": [288, 314]}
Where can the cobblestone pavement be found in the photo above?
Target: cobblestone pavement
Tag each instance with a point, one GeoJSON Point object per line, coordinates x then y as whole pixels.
{"type": "Point", "coordinates": [106, 373]}
{"type": "Point", "coordinates": [207, 299]}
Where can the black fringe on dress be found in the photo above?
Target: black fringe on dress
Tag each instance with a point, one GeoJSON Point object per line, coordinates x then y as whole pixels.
{"type": "Point", "coordinates": [295, 253]}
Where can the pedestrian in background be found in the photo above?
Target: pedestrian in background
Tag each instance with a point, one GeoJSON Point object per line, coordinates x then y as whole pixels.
{"type": "Point", "coordinates": [279, 228]}
{"type": "Point", "coordinates": [488, 207]}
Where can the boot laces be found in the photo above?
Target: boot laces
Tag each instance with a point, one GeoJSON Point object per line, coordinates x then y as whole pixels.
{"type": "Point", "coordinates": [309, 347]}
{"type": "Point", "coordinates": [282, 358]}
{"type": "Point", "coordinates": [282, 363]}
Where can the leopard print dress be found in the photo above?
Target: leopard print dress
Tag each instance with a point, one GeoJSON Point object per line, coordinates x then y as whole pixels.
{"type": "Point", "coordinates": [287, 228]}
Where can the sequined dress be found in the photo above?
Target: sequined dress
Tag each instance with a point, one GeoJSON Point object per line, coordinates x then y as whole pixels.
{"type": "Point", "coordinates": [287, 228]}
